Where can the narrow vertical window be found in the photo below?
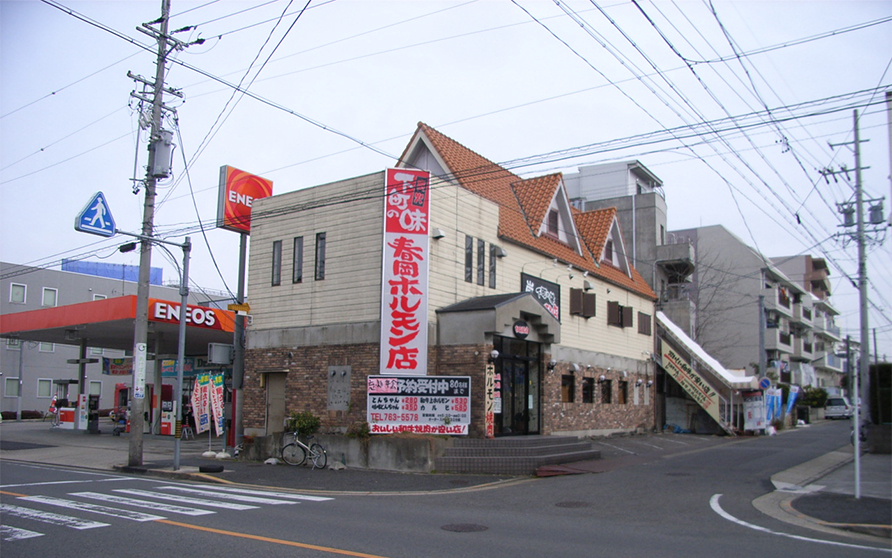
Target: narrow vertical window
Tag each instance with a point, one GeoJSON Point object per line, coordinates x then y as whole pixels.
{"type": "Point", "coordinates": [481, 261]}
{"type": "Point", "coordinates": [18, 293]}
{"type": "Point", "coordinates": [50, 297]}
{"type": "Point", "coordinates": [297, 263]}
{"type": "Point", "coordinates": [277, 263]}
{"type": "Point", "coordinates": [469, 259]}
{"type": "Point", "coordinates": [44, 387]}
{"type": "Point", "coordinates": [320, 256]}
{"type": "Point", "coordinates": [568, 388]}
{"type": "Point", "coordinates": [553, 221]}
{"type": "Point", "coordinates": [492, 266]}
{"type": "Point", "coordinates": [606, 390]}
{"type": "Point", "coordinates": [622, 392]}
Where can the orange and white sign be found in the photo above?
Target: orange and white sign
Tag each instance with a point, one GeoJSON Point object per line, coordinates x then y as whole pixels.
{"type": "Point", "coordinates": [404, 285]}
{"type": "Point", "coordinates": [238, 191]}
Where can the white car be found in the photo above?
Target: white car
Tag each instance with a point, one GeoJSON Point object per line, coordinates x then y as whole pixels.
{"type": "Point", "coordinates": [837, 407]}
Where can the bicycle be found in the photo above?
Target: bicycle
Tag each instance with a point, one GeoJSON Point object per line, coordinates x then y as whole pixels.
{"type": "Point", "coordinates": [296, 452]}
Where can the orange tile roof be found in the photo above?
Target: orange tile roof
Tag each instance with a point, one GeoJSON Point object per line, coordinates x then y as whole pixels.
{"type": "Point", "coordinates": [523, 204]}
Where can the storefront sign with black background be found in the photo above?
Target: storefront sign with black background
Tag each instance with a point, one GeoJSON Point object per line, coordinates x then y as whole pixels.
{"type": "Point", "coordinates": [548, 294]}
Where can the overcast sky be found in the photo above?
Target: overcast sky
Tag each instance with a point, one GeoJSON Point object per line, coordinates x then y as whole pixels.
{"type": "Point", "coordinates": [731, 104]}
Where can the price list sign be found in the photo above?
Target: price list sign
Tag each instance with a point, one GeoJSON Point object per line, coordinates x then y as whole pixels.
{"type": "Point", "coordinates": [422, 405]}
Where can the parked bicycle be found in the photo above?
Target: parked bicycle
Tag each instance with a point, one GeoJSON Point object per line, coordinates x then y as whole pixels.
{"type": "Point", "coordinates": [297, 452]}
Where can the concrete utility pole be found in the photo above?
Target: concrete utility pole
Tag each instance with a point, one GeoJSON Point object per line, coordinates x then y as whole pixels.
{"type": "Point", "coordinates": [141, 328]}
{"type": "Point", "coordinates": [864, 360]}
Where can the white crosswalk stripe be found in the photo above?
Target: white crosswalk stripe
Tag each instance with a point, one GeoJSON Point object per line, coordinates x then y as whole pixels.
{"type": "Point", "coordinates": [50, 517]}
{"type": "Point", "coordinates": [135, 502]}
{"type": "Point", "coordinates": [191, 500]}
{"type": "Point", "coordinates": [227, 495]}
{"type": "Point", "coordinates": [187, 499]}
{"type": "Point", "coordinates": [284, 495]}
{"type": "Point", "coordinates": [8, 533]}
{"type": "Point", "coordinates": [94, 508]}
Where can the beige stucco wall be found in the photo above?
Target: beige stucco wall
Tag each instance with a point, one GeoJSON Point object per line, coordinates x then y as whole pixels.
{"type": "Point", "coordinates": [350, 292]}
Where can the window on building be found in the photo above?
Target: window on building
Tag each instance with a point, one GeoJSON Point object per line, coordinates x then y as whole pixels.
{"type": "Point", "coordinates": [644, 323]}
{"type": "Point", "coordinates": [99, 297]}
{"type": "Point", "coordinates": [553, 222]}
{"type": "Point", "coordinates": [588, 390]}
{"type": "Point", "coordinates": [11, 387]}
{"type": "Point", "coordinates": [320, 256]}
{"type": "Point", "coordinates": [297, 260]}
{"type": "Point", "coordinates": [44, 387]}
{"type": "Point", "coordinates": [50, 297]}
{"type": "Point", "coordinates": [568, 388]}
{"type": "Point", "coordinates": [608, 251]}
{"type": "Point", "coordinates": [606, 391]}
{"type": "Point", "coordinates": [493, 258]}
{"type": "Point", "coordinates": [18, 293]}
{"type": "Point", "coordinates": [95, 388]}
{"type": "Point", "coordinates": [277, 263]}
{"type": "Point", "coordinates": [13, 344]}
{"type": "Point", "coordinates": [47, 347]}
{"type": "Point", "coordinates": [582, 303]}
{"type": "Point", "coordinates": [481, 261]}
{"type": "Point", "coordinates": [469, 259]}
{"type": "Point", "coordinates": [618, 315]}
{"type": "Point", "coordinates": [622, 392]}
{"type": "Point", "coordinates": [662, 235]}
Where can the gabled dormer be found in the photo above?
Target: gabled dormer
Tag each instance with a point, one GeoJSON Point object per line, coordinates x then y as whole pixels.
{"type": "Point", "coordinates": [547, 210]}
{"type": "Point", "coordinates": [613, 252]}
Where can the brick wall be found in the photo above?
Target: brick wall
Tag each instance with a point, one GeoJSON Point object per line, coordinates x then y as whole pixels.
{"type": "Point", "coordinates": [307, 388]}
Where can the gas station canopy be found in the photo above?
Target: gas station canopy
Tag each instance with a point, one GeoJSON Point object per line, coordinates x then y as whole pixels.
{"type": "Point", "coordinates": [109, 324]}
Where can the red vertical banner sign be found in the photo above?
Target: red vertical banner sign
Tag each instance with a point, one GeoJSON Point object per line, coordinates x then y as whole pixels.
{"type": "Point", "coordinates": [404, 285]}
{"type": "Point", "coordinates": [216, 395]}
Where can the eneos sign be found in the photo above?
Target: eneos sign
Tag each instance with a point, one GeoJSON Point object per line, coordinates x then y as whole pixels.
{"type": "Point", "coordinates": [238, 191]}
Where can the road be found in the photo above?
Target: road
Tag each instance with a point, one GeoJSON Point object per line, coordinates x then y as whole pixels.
{"type": "Point", "coordinates": [678, 496]}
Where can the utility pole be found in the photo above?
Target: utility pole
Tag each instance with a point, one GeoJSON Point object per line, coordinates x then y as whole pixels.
{"type": "Point", "coordinates": [854, 216]}
{"type": "Point", "coordinates": [141, 328]}
{"type": "Point", "coordinates": [864, 360]}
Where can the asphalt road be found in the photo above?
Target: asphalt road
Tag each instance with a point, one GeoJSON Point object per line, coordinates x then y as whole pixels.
{"type": "Point", "coordinates": [690, 500]}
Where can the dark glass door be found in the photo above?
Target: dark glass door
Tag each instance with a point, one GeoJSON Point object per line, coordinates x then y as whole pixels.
{"type": "Point", "coordinates": [519, 388]}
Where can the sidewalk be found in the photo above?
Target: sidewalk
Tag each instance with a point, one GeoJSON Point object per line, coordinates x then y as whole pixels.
{"type": "Point", "coordinates": [818, 494]}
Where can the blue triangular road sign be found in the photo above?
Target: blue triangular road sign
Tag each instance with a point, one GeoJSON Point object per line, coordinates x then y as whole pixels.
{"type": "Point", "coordinates": [96, 217]}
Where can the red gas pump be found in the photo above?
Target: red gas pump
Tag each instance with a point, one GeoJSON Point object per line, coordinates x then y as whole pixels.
{"type": "Point", "coordinates": [168, 411]}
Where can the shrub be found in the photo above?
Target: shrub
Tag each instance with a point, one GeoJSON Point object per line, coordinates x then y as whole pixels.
{"type": "Point", "coordinates": [813, 396]}
{"type": "Point", "coordinates": [305, 422]}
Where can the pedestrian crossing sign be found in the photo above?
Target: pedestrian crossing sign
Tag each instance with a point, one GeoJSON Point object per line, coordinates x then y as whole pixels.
{"type": "Point", "coordinates": [96, 217]}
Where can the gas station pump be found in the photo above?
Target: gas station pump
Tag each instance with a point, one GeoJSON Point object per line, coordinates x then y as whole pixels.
{"type": "Point", "coordinates": [93, 414]}
{"type": "Point", "coordinates": [168, 411]}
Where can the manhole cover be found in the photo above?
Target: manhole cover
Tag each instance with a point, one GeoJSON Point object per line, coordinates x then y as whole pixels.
{"type": "Point", "coordinates": [464, 527]}
{"type": "Point", "coordinates": [9, 445]}
{"type": "Point", "coordinates": [572, 504]}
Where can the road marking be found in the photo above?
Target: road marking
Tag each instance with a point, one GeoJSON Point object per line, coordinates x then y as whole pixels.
{"type": "Point", "coordinates": [8, 533]}
{"type": "Point", "coordinates": [227, 496]}
{"type": "Point", "coordinates": [616, 448]}
{"type": "Point", "coordinates": [271, 540]}
{"type": "Point", "coordinates": [717, 508]}
{"type": "Point", "coordinates": [187, 499]}
{"type": "Point", "coordinates": [42, 483]}
{"type": "Point", "coordinates": [94, 508]}
{"type": "Point", "coordinates": [50, 517]}
{"type": "Point", "coordinates": [285, 495]}
{"type": "Point", "coordinates": [165, 508]}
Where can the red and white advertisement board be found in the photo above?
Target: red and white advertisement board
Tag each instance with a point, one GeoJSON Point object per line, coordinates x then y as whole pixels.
{"type": "Point", "coordinates": [404, 285]}
{"type": "Point", "coordinates": [429, 405]}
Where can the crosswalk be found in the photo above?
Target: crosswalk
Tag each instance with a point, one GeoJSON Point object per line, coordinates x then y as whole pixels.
{"type": "Point", "coordinates": [94, 509]}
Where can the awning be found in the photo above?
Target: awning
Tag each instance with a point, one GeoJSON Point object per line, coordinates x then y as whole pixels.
{"type": "Point", "coordinates": [713, 366]}
{"type": "Point", "coordinates": [109, 324]}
